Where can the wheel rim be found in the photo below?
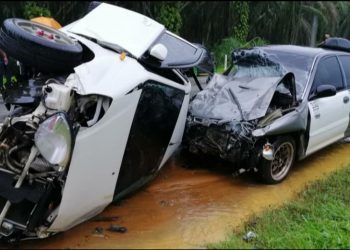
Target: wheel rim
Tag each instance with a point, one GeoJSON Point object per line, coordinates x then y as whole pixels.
{"type": "Point", "coordinates": [48, 33]}
{"type": "Point", "coordinates": [282, 161]}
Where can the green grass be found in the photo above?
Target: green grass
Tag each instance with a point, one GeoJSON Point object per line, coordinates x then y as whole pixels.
{"type": "Point", "coordinates": [318, 218]}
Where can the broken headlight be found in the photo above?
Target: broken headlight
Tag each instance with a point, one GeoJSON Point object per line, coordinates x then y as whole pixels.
{"type": "Point", "coordinates": [54, 140]}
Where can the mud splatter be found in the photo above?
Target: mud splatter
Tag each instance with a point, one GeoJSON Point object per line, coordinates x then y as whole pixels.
{"type": "Point", "coordinates": [190, 207]}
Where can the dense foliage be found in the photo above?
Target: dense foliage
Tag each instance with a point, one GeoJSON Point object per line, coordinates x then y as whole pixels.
{"type": "Point", "coordinates": [32, 9]}
{"type": "Point", "coordinates": [279, 22]}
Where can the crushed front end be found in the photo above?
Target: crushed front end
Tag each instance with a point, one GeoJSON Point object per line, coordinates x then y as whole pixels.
{"type": "Point", "coordinates": [36, 144]}
{"type": "Point", "coordinates": [224, 117]}
{"type": "Point", "coordinates": [232, 141]}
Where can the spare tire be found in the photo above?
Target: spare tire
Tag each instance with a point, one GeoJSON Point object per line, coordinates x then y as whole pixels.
{"type": "Point", "coordinates": [40, 46]}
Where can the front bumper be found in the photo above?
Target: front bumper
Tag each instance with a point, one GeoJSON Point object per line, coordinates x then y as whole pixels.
{"type": "Point", "coordinates": [217, 140]}
{"type": "Point", "coordinates": [28, 208]}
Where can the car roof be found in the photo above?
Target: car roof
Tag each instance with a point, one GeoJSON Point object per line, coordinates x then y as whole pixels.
{"type": "Point", "coordinates": [302, 50]}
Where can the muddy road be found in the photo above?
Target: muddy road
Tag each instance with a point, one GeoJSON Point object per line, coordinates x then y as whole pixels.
{"type": "Point", "coordinates": [188, 206]}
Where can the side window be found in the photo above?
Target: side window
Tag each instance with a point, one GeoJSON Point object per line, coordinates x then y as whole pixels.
{"type": "Point", "coordinates": [345, 61]}
{"type": "Point", "coordinates": [328, 72]}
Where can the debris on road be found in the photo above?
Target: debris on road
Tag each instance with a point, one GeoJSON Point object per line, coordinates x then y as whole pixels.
{"type": "Point", "coordinates": [117, 229]}
{"type": "Point", "coordinates": [164, 203]}
{"type": "Point", "coordinates": [249, 236]}
{"type": "Point", "coordinates": [98, 231]}
{"type": "Point", "coordinates": [105, 218]}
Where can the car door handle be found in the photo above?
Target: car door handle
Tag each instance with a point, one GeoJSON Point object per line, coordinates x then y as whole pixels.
{"type": "Point", "coordinates": [346, 99]}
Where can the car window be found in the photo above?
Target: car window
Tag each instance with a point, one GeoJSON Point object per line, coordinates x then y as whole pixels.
{"type": "Point", "coordinates": [180, 53]}
{"type": "Point", "coordinates": [345, 61]}
{"type": "Point", "coordinates": [328, 73]}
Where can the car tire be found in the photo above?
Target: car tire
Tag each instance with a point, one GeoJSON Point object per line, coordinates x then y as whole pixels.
{"type": "Point", "coordinates": [52, 51]}
{"type": "Point", "coordinates": [275, 171]}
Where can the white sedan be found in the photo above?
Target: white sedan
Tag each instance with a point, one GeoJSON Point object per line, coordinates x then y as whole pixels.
{"type": "Point", "coordinates": [277, 104]}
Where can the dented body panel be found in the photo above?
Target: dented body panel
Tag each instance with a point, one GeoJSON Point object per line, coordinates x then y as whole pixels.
{"type": "Point", "coordinates": [238, 113]}
{"type": "Point", "coordinates": [109, 125]}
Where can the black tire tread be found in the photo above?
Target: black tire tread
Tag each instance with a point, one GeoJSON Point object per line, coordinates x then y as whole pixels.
{"type": "Point", "coordinates": [40, 55]}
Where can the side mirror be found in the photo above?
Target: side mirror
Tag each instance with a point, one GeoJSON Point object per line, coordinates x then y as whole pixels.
{"type": "Point", "coordinates": [325, 91]}
{"type": "Point", "coordinates": [159, 51]}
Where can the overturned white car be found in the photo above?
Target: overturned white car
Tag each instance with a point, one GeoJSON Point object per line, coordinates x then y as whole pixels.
{"type": "Point", "coordinates": [104, 106]}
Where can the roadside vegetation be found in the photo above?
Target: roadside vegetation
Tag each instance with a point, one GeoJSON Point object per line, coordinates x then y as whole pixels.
{"type": "Point", "coordinates": [227, 45]}
{"type": "Point", "coordinates": [318, 218]}
{"type": "Point", "coordinates": [216, 25]}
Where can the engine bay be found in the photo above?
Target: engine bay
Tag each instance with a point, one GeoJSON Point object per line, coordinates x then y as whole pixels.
{"type": "Point", "coordinates": [36, 142]}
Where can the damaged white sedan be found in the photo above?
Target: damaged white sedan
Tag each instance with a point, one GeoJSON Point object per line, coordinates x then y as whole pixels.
{"type": "Point", "coordinates": [276, 104]}
{"type": "Point", "coordinates": [102, 108]}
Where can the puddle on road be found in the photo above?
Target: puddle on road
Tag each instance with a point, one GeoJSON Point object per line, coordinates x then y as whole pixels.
{"type": "Point", "coordinates": [190, 207]}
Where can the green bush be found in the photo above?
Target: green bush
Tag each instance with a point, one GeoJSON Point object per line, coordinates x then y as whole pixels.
{"type": "Point", "coordinates": [31, 10]}
{"type": "Point", "coordinates": [226, 46]}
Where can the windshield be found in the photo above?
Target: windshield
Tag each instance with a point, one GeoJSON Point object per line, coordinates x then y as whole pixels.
{"type": "Point", "coordinates": [256, 63]}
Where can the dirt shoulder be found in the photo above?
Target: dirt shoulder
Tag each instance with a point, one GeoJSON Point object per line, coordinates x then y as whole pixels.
{"type": "Point", "coordinates": [191, 207]}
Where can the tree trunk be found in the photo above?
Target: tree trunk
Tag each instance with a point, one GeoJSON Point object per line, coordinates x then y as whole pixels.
{"type": "Point", "coordinates": [314, 31]}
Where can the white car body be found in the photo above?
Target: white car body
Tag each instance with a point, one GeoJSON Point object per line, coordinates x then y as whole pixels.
{"type": "Point", "coordinates": [280, 103]}
{"type": "Point", "coordinates": [138, 122]}
{"type": "Point", "coordinates": [119, 27]}
{"type": "Point", "coordinates": [100, 168]}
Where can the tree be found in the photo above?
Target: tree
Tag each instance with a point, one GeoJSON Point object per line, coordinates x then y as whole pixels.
{"type": "Point", "coordinates": [169, 15]}
{"type": "Point", "coordinates": [31, 10]}
{"type": "Point", "coordinates": [241, 29]}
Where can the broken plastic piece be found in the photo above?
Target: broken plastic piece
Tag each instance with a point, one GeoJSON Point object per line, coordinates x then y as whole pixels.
{"type": "Point", "coordinates": [249, 236]}
{"type": "Point", "coordinates": [117, 229]}
{"type": "Point", "coordinates": [105, 218]}
{"type": "Point", "coordinates": [98, 231]}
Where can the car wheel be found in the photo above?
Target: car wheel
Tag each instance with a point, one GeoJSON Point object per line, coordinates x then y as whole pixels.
{"type": "Point", "coordinates": [42, 47]}
{"type": "Point", "coordinates": [275, 171]}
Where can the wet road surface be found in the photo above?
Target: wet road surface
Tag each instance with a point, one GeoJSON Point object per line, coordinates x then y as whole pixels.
{"type": "Point", "coordinates": [188, 206]}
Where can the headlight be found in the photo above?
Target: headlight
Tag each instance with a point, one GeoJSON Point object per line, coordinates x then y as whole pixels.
{"type": "Point", "coordinates": [54, 140]}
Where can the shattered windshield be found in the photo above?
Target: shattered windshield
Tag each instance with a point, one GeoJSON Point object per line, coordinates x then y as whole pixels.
{"type": "Point", "coordinates": [242, 71]}
{"type": "Point", "coordinates": [256, 63]}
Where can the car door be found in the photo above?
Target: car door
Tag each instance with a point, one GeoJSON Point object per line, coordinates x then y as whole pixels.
{"type": "Point", "coordinates": [345, 65]}
{"type": "Point", "coordinates": [329, 116]}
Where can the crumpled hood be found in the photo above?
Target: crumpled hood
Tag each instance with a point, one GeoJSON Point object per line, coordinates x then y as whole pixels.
{"type": "Point", "coordinates": [120, 27]}
{"type": "Point", "coordinates": [217, 100]}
